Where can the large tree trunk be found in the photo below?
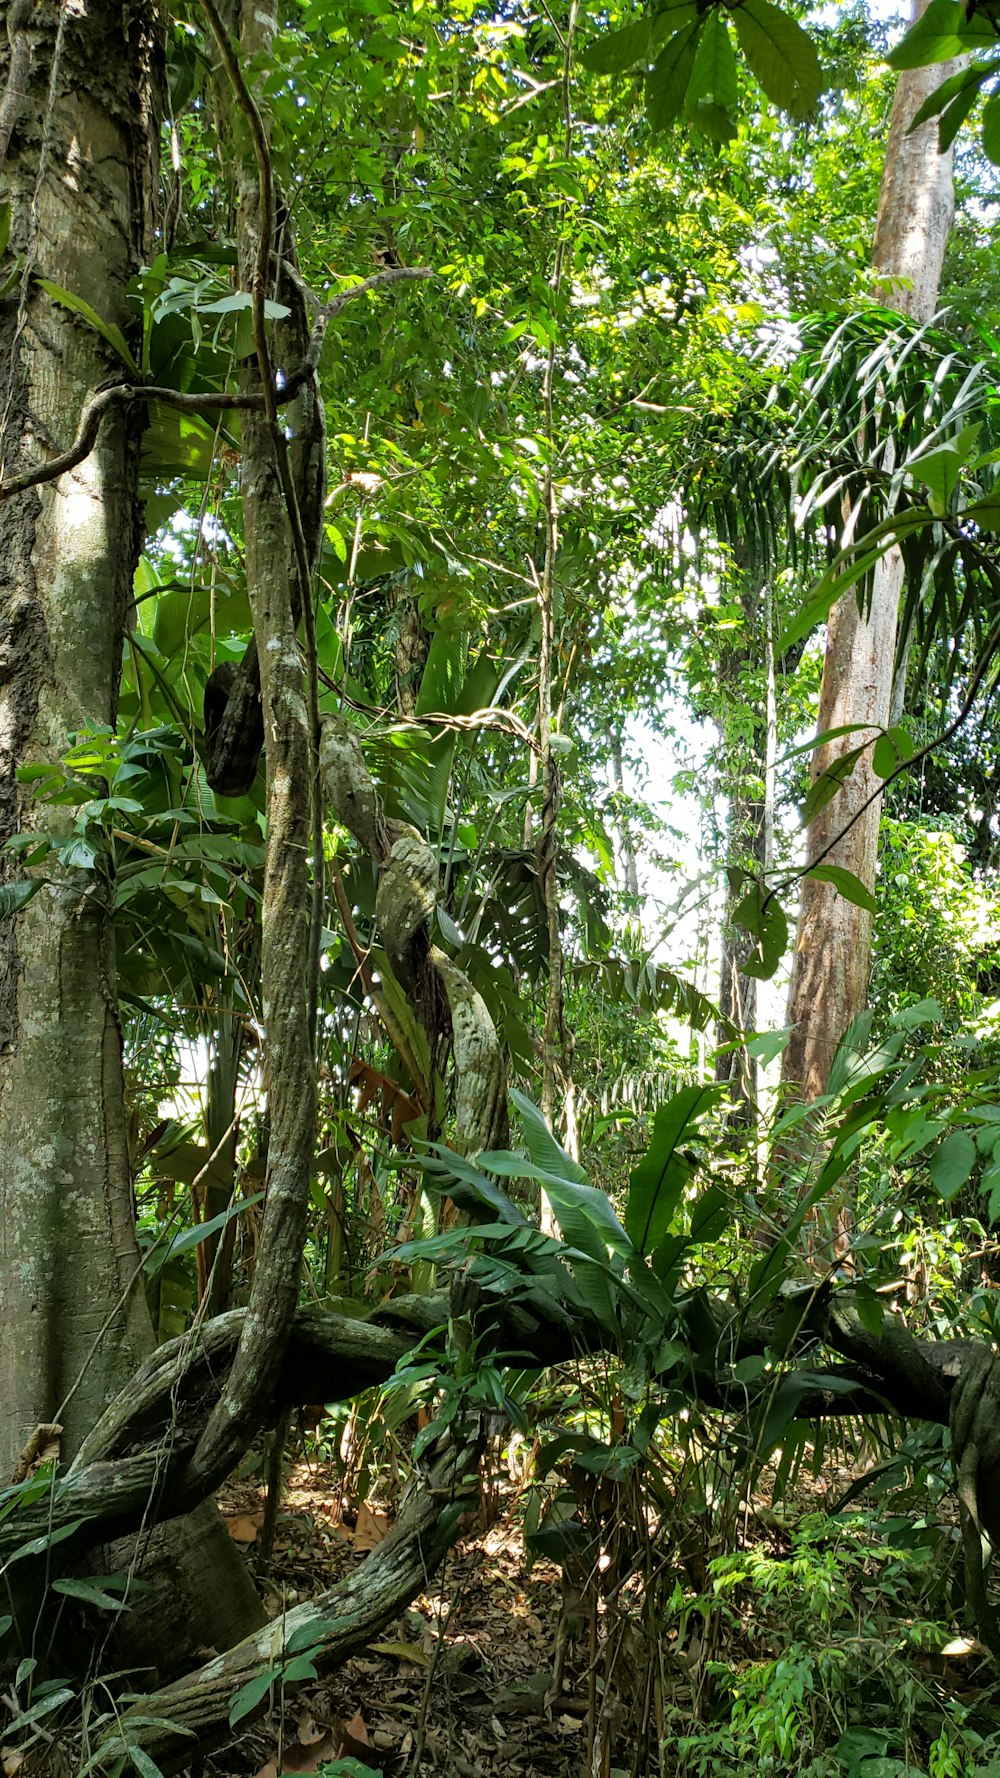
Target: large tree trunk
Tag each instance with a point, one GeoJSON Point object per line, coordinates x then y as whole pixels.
{"type": "Point", "coordinates": [72, 1309]}
{"type": "Point", "coordinates": [832, 961]}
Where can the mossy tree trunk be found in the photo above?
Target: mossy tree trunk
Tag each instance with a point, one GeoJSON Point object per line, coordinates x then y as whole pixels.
{"type": "Point", "coordinates": [79, 173]}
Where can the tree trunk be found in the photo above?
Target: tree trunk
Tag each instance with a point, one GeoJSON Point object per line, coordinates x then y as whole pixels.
{"type": "Point", "coordinates": [831, 966]}
{"type": "Point", "coordinates": [72, 1308]}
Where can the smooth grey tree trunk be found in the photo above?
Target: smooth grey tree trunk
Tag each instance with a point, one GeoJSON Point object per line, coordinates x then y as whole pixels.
{"type": "Point", "coordinates": [832, 961]}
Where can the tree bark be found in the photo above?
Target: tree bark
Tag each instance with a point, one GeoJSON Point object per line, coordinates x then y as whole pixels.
{"type": "Point", "coordinates": [72, 1309]}
{"type": "Point", "coordinates": [832, 961]}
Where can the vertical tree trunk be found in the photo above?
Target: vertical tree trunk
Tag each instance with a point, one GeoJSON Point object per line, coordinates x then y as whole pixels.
{"type": "Point", "coordinates": [72, 1309]}
{"type": "Point", "coordinates": [832, 961]}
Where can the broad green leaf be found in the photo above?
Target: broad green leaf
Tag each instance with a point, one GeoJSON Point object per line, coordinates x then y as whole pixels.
{"type": "Point", "coordinates": [850, 566]}
{"type": "Point", "coordinates": [193, 1237]}
{"type": "Point", "coordinates": [950, 1165]}
{"type": "Point", "coordinates": [846, 883]}
{"type": "Point", "coordinates": [954, 117]}
{"type": "Point", "coordinates": [826, 784]}
{"type": "Point", "coordinates": [615, 51]}
{"type": "Point", "coordinates": [144, 1764]}
{"type": "Point", "coordinates": [942, 96]}
{"type": "Point", "coordinates": [990, 1188]}
{"type": "Point", "coordinates": [542, 1146]}
{"type": "Point", "coordinates": [922, 1012]}
{"type": "Point", "coordinates": [939, 469]}
{"type": "Point", "coordinates": [240, 301]}
{"type": "Point", "coordinates": [53, 1700]}
{"type": "Point", "coordinates": [941, 33]}
{"type": "Point", "coordinates": [5, 213]}
{"type": "Point", "coordinates": [830, 734]}
{"type": "Point", "coordinates": [991, 129]}
{"type": "Point", "coordinates": [667, 80]}
{"type": "Point", "coordinates": [762, 915]}
{"type": "Point", "coordinates": [108, 330]}
{"type": "Point", "coordinates": [986, 512]}
{"type": "Point", "coordinates": [15, 896]}
{"type": "Point", "coordinates": [250, 1695]}
{"type": "Point", "coordinates": [86, 1589]}
{"type": "Point", "coordinates": [780, 54]}
{"type": "Point", "coordinates": [36, 1545]}
{"type": "Point", "coordinates": [656, 1184]}
{"type": "Point", "coordinates": [891, 749]}
{"type": "Point", "coordinates": [710, 100]}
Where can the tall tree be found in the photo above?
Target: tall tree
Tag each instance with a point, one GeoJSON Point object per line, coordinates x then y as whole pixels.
{"type": "Point", "coordinates": [832, 960]}
{"type": "Point", "coordinates": [82, 149]}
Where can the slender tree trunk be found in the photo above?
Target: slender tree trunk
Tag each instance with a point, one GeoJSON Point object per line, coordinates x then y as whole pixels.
{"type": "Point", "coordinates": [72, 1310]}
{"type": "Point", "coordinates": [832, 961]}
{"type": "Point", "coordinates": [623, 826]}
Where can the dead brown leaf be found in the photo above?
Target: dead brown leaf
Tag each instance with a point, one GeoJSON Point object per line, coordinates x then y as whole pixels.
{"type": "Point", "coordinates": [370, 1528]}
{"type": "Point", "coordinates": [242, 1528]}
{"type": "Point", "coordinates": [403, 1651]}
{"type": "Point", "coordinates": [301, 1757]}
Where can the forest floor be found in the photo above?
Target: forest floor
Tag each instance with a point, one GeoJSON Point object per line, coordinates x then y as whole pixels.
{"type": "Point", "coordinates": [457, 1685]}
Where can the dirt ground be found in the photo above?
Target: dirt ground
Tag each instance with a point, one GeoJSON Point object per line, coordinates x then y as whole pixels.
{"type": "Point", "coordinates": [457, 1685]}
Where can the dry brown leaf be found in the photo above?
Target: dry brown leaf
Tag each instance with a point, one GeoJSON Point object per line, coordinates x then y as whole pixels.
{"type": "Point", "coordinates": [269, 1770]}
{"type": "Point", "coordinates": [370, 1528]}
{"type": "Point", "coordinates": [13, 1759]}
{"type": "Point", "coordinates": [309, 1730]}
{"type": "Point", "coordinates": [308, 1758]}
{"type": "Point", "coordinates": [403, 1651]}
{"type": "Point", "coordinates": [242, 1528]}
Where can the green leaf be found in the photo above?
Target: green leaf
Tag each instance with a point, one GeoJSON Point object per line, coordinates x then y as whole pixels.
{"type": "Point", "coordinates": [667, 81]}
{"type": "Point", "coordinates": [922, 1012]}
{"type": "Point", "coordinates": [250, 1695]}
{"type": "Point", "coordinates": [200, 1231]}
{"type": "Point", "coordinates": [15, 896]}
{"type": "Point", "coordinates": [616, 51]}
{"type": "Point", "coordinates": [954, 117]}
{"type": "Point", "coordinates": [762, 915]}
{"type": "Point", "coordinates": [542, 1146]}
{"type": "Point", "coordinates": [849, 566]}
{"type": "Point", "coordinates": [846, 883]}
{"type": "Point", "coordinates": [891, 749]}
{"type": "Point", "coordinates": [46, 1541]}
{"type": "Point", "coordinates": [942, 96]}
{"type": "Point", "coordinates": [710, 100]}
{"type": "Point", "coordinates": [85, 1589]}
{"type": "Point", "coordinates": [108, 330]}
{"type": "Point", "coordinates": [827, 783]}
{"type": "Point", "coordinates": [656, 1184]}
{"type": "Point", "coordinates": [950, 1165]}
{"type": "Point", "coordinates": [780, 54]}
{"type": "Point", "coordinates": [5, 213]}
{"type": "Point", "coordinates": [991, 129]}
{"type": "Point", "coordinates": [143, 1763]}
{"type": "Point", "coordinates": [52, 1701]}
{"type": "Point", "coordinates": [939, 469]}
{"type": "Point", "coordinates": [941, 33]}
{"type": "Point", "coordinates": [301, 1668]}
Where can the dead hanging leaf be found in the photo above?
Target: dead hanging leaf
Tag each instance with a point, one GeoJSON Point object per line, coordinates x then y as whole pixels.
{"type": "Point", "coordinates": [403, 1651]}
{"type": "Point", "coordinates": [309, 1730]}
{"type": "Point", "coordinates": [370, 1528]}
{"type": "Point", "coordinates": [42, 1447]}
{"type": "Point", "coordinates": [302, 1757]}
{"type": "Point", "coordinates": [242, 1528]}
{"type": "Point", "coordinates": [351, 1739]}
